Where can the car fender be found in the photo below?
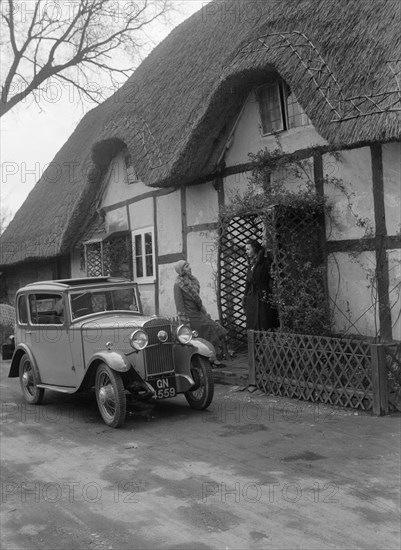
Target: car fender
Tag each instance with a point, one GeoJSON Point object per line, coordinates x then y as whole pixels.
{"type": "Point", "coordinates": [20, 350]}
{"type": "Point", "coordinates": [204, 347]}
{"type": "Point", "coordinates": [184, 352]}
{"type": "Point", "coordinates": [114, 359]}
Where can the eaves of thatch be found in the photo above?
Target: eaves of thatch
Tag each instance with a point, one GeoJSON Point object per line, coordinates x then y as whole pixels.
{"type": "Point", "coordinates": [174, 114]}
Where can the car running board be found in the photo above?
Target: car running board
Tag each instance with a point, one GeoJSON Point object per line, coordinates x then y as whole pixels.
{"type": "Point", "coordinates": [60, 389]}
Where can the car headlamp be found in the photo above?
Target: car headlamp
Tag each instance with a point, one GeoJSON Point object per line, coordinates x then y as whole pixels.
{"type": "Point", "coordinates": [162, 336]}
{"type": "Point", "coordinates": [138, 339]}
{"type": "Point", "coordinates": [184, 334]}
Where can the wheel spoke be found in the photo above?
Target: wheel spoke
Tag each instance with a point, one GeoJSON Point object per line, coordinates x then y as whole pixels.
{"type": "Point", "coordinates": [201, 395]}
{"type": "Point", "coordinates": [28, 381]}
{"type": "Point", "coordinates": [110, 396]}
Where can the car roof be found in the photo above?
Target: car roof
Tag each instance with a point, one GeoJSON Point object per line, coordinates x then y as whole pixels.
{"type": "Point", "coordinates": [65, 284]}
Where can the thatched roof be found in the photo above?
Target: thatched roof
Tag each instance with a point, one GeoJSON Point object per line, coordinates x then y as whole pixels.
{"type": "Point", "coordinates": [174, 113]}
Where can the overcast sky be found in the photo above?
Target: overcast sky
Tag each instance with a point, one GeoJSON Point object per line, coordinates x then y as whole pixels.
{"type": "Point", "coordinates": [31, 135]}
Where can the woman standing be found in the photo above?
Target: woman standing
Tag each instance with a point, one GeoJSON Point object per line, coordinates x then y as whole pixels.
{"type": "Point", "coordinates": [191, 311]}
{"type": "Point", "coordinates": [260, 314]}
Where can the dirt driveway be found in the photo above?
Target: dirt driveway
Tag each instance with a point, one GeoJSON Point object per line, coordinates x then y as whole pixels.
{"type": "Point", "coordinates": [253, 472]}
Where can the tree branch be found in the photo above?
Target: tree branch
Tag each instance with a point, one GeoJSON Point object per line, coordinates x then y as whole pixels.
{"type": "Point", "coordinates": [53, 45]}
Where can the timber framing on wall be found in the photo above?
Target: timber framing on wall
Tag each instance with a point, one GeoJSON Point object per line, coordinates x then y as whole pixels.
{"type": "Point", "coordinates": [318, 177]}
{"type": "Point", "coordinates": [379, 244]}
{"type": "Point", "coordinates": [219, 186]}
{"type": "Point", "coordinates": [382, 268]}
{"type": "Point", "coordinates": [184, 222]}
{"type": "Point", "coordinates": [156, 248]}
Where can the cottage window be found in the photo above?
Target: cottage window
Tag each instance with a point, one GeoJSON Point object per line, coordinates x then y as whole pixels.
{"type": "Point", "coordinates": [132, 175]}
{"type": "Point", "coordinates": [111, 256]}
{"type": "Point", "coordinates": [278, 108]}
{"type": "Point", "coordinates": [144, 255]}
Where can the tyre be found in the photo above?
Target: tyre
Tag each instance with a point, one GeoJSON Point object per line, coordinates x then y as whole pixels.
{"type": "Point", "coordinates": [201, 395]}
{"type": "Point", "coordinates": [110, 396]}
{"type": "Point", "coordinates": [28, 380]}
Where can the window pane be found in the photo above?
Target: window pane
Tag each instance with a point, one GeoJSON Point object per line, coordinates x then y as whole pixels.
{"type": "Point", "coordinates": [94, 259]}
{"type": "Point", "coordinates": [138, 256]}
{"type": "Point", "coordinates": [148, 243]}
{"type": "Point", "coordinates": [296, 115]}
{"type": "Point", "coordinates": [45, 309]}
{"type": "Point", "coordinates": [95, 301]}
{"type": "Point", "coordinates": [124, 299]}
{"type": "Point", "coordinates": [149, 266]}
{"type": "Point", "coordinates": [139, 266]}
{"type": "Point", "coordinates": [149, 254]}
{"type": "Point", "coordinates": [270, 108]}
{"type": "Point", "coordinates": [138, 245]}
{"type": "Point", "coordinates": [22, 310]}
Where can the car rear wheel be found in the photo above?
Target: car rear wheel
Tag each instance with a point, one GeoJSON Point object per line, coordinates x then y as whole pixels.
{"type": "Point", "coordinates": [201, 395]}
{"type": "Point", "coordinates": [28, 380]}
{"type": "Point", "coordinates": [110, 396]}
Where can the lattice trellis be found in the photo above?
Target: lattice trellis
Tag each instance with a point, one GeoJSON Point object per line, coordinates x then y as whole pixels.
{"type": "Point", "coordinates": [325, 82]}
{"type": "Point", "coordinates": [233, 268]}
{"type": "Point", "coordinates": [314, 368]}
{"type": "Point", "coordinates": [393, 366]}
{"type": "Point", "coordinates": [288, 231]}
{"type": "Point", "coordinates": [298, 267]}
{"type": "Point", "coordinates": [110, 257]}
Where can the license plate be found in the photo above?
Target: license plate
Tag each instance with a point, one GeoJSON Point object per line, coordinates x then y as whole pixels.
{"type": "Point", "coordinates": [165, 387]}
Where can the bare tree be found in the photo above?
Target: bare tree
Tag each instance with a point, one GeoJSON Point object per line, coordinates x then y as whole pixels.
{"type": "Point", "coordinates": [71, 41]}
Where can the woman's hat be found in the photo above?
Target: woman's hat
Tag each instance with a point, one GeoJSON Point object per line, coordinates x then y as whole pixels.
{"type": "Point", "coordinates": [179, 265]}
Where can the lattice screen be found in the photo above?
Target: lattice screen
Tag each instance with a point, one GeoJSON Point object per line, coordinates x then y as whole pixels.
{"type": "Point", "coordinates": [110, 257]}
{"type": "Point", "coordinates": [294, 235]}
{"type": "Point", "coordinates": [94, 263]}
{"type": "Point", "coordinates": [315, 368]}
{"type": "Point", "coordinates": [233, 268]}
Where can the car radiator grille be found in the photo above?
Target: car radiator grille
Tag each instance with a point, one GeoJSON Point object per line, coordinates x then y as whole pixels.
{"type": "Point", "coordinates": [158, 356]}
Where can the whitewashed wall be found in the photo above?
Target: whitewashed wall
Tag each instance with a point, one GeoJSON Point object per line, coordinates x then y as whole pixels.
{"type": "Point", "coordinates": [118, 188]}
{"type": "Point", "coordinates": [169, 226]}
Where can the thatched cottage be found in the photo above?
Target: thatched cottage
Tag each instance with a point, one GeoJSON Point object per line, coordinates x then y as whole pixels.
{"type": "Point", "coordinates": [140, 182]}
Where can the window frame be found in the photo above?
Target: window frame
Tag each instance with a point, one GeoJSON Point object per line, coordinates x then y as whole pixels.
{"type": "Point", "coordinates": [142, 232]}
{"type": "Point", "coordinates": [22, 298]}
{"type": "Point", "coordinates": [283, 105]}
{"type": "Point", "coordinates": [104, 258]}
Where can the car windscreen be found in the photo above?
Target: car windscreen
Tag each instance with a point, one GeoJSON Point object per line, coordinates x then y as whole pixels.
{"type": "Point", "coordinates": [85, 302]}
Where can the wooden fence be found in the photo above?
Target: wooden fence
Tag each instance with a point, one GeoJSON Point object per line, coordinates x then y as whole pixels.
{"type": "Point", "coordinates": [336, 371]}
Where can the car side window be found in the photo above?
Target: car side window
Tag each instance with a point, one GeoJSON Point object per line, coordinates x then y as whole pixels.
{"type": "Point", "coordinates": [46, 309]}
{"type": "Point", "coordinates": [22, 310]}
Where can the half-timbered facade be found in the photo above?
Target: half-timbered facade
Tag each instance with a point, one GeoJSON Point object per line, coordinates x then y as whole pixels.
{"type": "Point", "coordinates": [145, 175]}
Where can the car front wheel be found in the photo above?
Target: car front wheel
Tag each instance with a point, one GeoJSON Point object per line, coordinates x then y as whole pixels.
{"type": "Point", "coordinates": [28, 380]}
{"type": "Point", "coordinates": [110, 396]}
{"type": "Point", "coordinates": [201, 395]}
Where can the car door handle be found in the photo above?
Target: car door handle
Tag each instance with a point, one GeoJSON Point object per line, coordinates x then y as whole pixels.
{"type": "Point", "coordinates": [29, 332]}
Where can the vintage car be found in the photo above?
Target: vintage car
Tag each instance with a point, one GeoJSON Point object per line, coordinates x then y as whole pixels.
{"type": "Point", "coordinates": [77, 334]}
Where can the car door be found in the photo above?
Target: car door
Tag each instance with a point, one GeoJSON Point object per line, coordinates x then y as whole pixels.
{"type": "Point", "coordinates": [48, 337]}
